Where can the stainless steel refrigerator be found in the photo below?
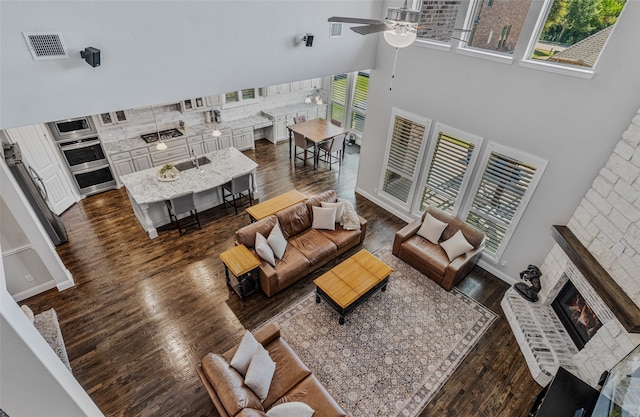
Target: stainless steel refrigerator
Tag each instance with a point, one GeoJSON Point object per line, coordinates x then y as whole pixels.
{"type": "Point", "coordinates": [36, 193]}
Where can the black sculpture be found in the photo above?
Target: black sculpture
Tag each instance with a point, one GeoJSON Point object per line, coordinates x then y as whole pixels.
{"type": "Point", "coordinates": [530, 292]}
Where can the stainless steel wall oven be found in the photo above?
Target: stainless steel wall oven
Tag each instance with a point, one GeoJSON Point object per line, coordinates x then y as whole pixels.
{"type": "Point", "coordinates": [84, 155]}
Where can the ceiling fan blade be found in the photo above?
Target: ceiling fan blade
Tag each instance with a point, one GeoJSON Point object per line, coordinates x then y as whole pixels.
{"type": "Point", "coordinates": [365, 30]}
{"type": "Point", "coordinates": [443, 29]}
{"type": "Point", "coordinates": [354, 20]}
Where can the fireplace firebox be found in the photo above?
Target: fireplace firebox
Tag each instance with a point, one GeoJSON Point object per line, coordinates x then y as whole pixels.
{"type": "Point", "coordinates": [575, 314]}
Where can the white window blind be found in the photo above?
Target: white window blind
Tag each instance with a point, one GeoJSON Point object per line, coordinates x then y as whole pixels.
{"type": "Point", "coordinates": [453, 154]}
{"type": "Point", "coordinates": [338, 98]}
{"type": "Point", "coordinates": [248, 93]}
{"type": "Point", "coordinates": [231, 97]}
{"type": "Point", "coordinates": [359, 102]}
{"type": "Point", "coordinates": [502, 192]}
{"type": "Point", "coordinates": [404, 154]}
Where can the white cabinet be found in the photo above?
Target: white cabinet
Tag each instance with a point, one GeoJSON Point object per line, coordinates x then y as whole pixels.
{"type": "Point", "coordinates": [312, 113]}
{"type": "Point", "coordinates": [279, 131]}
{"type": "Point", "coordinates": [193, 104]}
{"type": "Point", "coordinates": [225, 140]}
{"type": "Point", "coordinates": [243, 138]}
{"type": "Point", "coordinates": [113, 117]}
{"type": "Point", "coordinates": [277, 89]}
{"type": "Point", "coordinates": [195, 145]}
{"type": "Point", "coordinates": [122, 164]}
{"type": "Point", "coordinates": [210, 144]}
{"type": "Point", "coordinates": [177, 150]}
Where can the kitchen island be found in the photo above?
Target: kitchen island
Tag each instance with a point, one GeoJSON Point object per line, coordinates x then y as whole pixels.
{"type": "Point", "coordinates": [148, 194]}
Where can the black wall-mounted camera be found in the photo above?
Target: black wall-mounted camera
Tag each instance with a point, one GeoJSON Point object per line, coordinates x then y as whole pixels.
{"type": "Point", "coordinates": [308, 40]}
{"type": "Point", "coordinates": [91, 55]}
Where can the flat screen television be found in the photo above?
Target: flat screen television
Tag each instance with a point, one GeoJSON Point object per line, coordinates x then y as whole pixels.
{"type": "Point", "coordinates": [620, 394]}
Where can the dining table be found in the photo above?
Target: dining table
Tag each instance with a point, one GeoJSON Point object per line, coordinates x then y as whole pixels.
{"type": "Point", "coordinates": [317, 131]}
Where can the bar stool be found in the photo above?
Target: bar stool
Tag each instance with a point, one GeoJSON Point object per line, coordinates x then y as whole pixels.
{"type": "Point", "coordinates": [183, 203]}
{"type": "Point", "coordinates": [237, 186]}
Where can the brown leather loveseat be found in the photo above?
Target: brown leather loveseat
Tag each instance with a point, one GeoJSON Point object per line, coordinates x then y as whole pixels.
{"type": "Point", "coordinates": [292, 381]}
{"type": "Point", "coordinates": [307, 248]}
{"type": "Point", "coordinates": [431, 259]}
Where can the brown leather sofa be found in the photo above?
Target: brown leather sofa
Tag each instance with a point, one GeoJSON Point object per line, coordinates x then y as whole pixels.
{"type": "Point", "coordinates": [307, 248]}
{"type": "Point", "coordinates": [292, 381]}
{"type": "Point", "coordinates": [430, 258]}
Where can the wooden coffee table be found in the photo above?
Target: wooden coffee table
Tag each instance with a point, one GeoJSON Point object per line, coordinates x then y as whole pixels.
{"type": "Point", "coordinates": [275, 204]}
{"type": "Point", "coordinates": [350, 283]}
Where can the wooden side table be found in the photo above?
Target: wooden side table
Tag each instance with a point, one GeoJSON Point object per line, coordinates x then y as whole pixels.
{"type": "Point", "coordinates": [273, 205]}
{"type": "Point", "coordinates": [243, 265]}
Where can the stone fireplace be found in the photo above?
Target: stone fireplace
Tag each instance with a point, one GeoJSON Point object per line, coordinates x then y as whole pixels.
{"type": "Point", "coordinates": [604, 230]}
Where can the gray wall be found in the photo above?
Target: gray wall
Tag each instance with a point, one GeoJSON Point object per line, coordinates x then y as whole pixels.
{"type": "Point", "coordinates": [574, 123]}
{"type": "Point", "coordinates": [162, 51]}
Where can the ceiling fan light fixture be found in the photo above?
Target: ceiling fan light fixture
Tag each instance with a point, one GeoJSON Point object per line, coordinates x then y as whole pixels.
{"type": "Point", "coordinates": [401, 36]}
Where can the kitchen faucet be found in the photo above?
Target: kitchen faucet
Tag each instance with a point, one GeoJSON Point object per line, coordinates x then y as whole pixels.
{"type": "Point", "coordinates": [194, 159]}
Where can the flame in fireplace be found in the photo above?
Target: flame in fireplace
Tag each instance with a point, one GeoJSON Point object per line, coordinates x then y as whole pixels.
{"type": "Point", "coordinates": [582, 315]}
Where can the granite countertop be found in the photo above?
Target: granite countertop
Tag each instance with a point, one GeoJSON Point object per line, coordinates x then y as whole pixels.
{"type": "Point", "coordinates": [136, 142]}
{"type": "Point", "coordinates": [291, 108]}
{"type": "Point", "coordinates": [145, 187]}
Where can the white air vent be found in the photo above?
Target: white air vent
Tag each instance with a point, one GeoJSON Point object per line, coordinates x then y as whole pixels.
{"type": "Point", "coordinates": [336, 30]}
{"type": "Point", "coordinates": [46, 45]}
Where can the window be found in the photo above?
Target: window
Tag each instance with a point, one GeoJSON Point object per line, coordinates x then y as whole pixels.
{"type": "Point", "coordinates": [501, 193]}
{"type": "Point", "coordinates": [452, 156]}
{"type": "Point", "coordinates": [338, 98]}
{"type": "Point", "coordinates": [404, 153]}
{"type": "Point", "coordinates": [359, 102]}
{"type": "Point", "coordinates": [437, 13]}
{"type": "Point", "coordinates": [504, 17]}
{"type": "Point", "coordinates": [241, 95]}
{"type": "Point", "coordinates": [348, 103]}
{"type": "Point", "coordinates": [574, 32]}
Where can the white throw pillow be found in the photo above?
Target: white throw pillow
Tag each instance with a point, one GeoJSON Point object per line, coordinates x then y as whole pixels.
{"type": "Point", "coordinates": [456, 246]}
{"type": "Point", "coordinates": [264, 250]}
{"type": "Point", "coordinates": [260, 373]}
{"type": "Point", "coordinates": [339, 209]}
{"type": "Point", "coordinates": [291, 409]}
{"type": "Point", "coordinates": [350, 219]}
{"type": "Point", "coordinates": [432, 229]}
{"type": "Point", "coordinates": [324, 218]}
{"type": "Point", "coordinates": [277, 241]}
{"type": "Point", "coordinates": [242, 358]}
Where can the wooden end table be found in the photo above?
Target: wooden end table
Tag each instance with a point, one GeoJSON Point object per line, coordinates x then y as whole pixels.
{"type": "Point", "coordinates": [243, 265]}
{"type": "Point", "coordinates": [273, 205]}
{"type": "Point", "coordinates": [353, 281]}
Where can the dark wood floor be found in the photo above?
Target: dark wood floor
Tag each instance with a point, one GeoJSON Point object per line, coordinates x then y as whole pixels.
{"type": "Point", "coordinates": [143, 312]}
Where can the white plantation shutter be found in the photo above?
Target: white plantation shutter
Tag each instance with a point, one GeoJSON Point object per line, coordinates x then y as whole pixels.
{"type": "Point", "coordinates": [453, 154]}
{"type": "Point", "coordinates": [404, 154]}
{"type": "Point", "coordinates": [338, 97]}
{"type": "Point", "coordinates": [502, 193]}
{"type": "Point", "coordinates": [359, 102]}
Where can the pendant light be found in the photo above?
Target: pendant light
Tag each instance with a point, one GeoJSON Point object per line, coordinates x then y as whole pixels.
{"type": "Point", "coordinates": [161, 146]}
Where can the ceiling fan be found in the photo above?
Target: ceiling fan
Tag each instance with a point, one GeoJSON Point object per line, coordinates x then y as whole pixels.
{"type": "Point", "coordinates": [399, 27]}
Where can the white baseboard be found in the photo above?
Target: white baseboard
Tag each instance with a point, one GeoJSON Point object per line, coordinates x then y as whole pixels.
{"type": "Point", "coordinates": [68, 283]}
{"type": "Point", "coordinates": [23, 295]}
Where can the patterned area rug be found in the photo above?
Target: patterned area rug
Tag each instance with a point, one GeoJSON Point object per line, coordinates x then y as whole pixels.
{"type": "Point", "coordinates": [395, 351]}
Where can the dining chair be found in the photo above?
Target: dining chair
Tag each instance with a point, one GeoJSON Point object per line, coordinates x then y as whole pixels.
{"type": "Point", "coordinates": [302, 142]}
{"type": "Point", "coordinates": [331, 151]}
{"type": "Point", "coordinates": [237, 187]}
{"type": "Point", "coordinates": [299, 119]}
{"type": "Point", "coordinates": [180, 204]}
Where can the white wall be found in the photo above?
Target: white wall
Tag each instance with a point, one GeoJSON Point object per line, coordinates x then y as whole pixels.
{"type": "Point", "coordinates": [33, 379]}
{"type": "Point", "coordinates": [574, 123]}
{"type": "Point", "coordinates": [162, 51]}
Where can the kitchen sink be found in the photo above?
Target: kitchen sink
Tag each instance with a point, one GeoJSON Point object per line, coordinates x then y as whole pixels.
{"type": "Point", "coordinates": [183, 166]}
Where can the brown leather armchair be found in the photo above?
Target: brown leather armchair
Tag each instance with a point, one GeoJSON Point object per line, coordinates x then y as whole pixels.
{"type": "Point", "coordinates": [430, 258]}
